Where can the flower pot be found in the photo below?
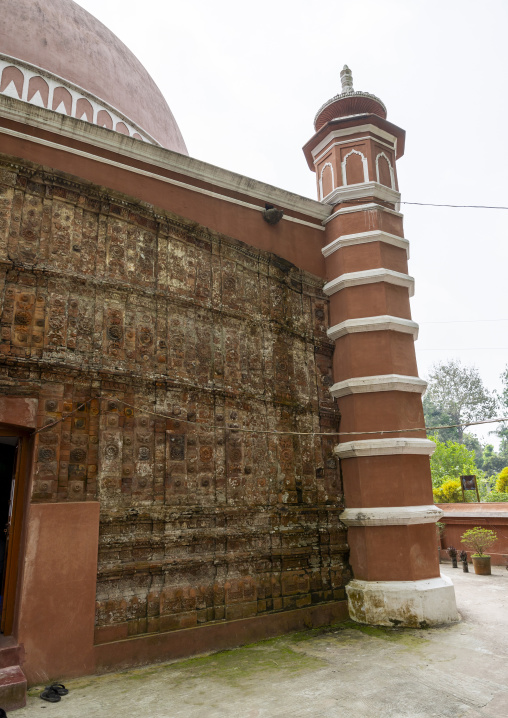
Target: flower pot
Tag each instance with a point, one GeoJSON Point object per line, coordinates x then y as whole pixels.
{"type": "Point", "coordinates": [481, 565]}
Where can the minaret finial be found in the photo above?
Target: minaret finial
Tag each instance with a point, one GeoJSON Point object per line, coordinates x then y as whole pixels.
{"type": "Point", "coordinates": [346, 77]}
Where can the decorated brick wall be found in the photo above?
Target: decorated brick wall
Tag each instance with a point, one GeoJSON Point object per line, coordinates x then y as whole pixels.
{"type": "Point", "coordinates": [165, 358]}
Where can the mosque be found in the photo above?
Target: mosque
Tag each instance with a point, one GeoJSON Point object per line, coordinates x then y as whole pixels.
{"type": "Point", "coordinates": [210, 410]}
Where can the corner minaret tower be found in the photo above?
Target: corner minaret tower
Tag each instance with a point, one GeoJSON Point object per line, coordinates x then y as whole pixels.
{"type": "Point", "coordinates": [385, 465]}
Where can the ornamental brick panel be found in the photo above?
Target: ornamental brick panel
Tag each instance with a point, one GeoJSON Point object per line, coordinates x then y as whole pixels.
{"type": "Point", "coordinates": [152, 344]}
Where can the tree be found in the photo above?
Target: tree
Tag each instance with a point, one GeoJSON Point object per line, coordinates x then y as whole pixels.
{"type": "Point", "coordinates": [473, 443]}
{"type": "Point", "coordinates": [492, 463]}
{"type": "Point", "coordinates": [500, 491]}
{"type": "Point", "coordinates": [457, 391]}
{"type": "Point", "coordinates": [502, 430]}
{"type": "Point", "coordinates": [435, 416]}
{"type": "Point", "coordinates": [448, 493]}
{"type": "Point", "coordinates": [450, 460]}
{"type": "Point", "coordinates": [502, 480]}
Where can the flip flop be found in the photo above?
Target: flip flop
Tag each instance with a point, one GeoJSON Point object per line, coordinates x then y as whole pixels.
{"type": "Point", "coordinates": [58, 688]}
{"type": "Point", "coordinates": [50, 695]}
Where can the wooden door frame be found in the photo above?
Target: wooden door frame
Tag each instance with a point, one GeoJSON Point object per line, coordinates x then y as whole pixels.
{"type": "Point", "coordinates": [12, 563]}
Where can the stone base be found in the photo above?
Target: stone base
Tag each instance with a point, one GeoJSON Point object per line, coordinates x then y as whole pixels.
{"type": "Point", "coordinates": [415, 604]}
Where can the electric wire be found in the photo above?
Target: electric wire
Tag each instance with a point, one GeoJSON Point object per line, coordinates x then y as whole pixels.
{"type": "Point", "coordinates": [238, 429]}
{"type": "Point", "coordinates": [456, 206]}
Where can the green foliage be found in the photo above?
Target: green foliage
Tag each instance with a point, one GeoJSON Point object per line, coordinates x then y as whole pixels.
{"type": "Point", "coordinates": [495, 496]}
{"type": "Point", "coordinates": [473, 443]}
{"type": "Point", "coordinates": [502, 430]}
{"type": "Point", "coordinates": [478, 540]}
{"type": "Point", "coordinates": [448, 493]}
{"type": "Point", "coordinates": [502, 481]}
{"type": "Point", "coordinates": [457, 392]}
{"type": "Point", "coordinates": [492, 463]}
{"type": "Point", "coordinates": [500, 491]}
{"type": "Point", "coordinates": [450, 461]}
{"type": "Point", "coordinates": [434, 416]}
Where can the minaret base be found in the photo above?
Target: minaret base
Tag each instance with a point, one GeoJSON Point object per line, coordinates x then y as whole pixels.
{"type": "Point", "coordinates": [412, 604]}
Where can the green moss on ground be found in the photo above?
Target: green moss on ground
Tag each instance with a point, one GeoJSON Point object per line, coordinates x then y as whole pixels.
{"type": "Point", "coordinates": [240, 666]}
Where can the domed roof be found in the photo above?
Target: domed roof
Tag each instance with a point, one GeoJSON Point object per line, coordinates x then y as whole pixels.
{"type": "Point", "coordinates": [56, 55]}
{"type": "Point", "coordinates": [348, 103]}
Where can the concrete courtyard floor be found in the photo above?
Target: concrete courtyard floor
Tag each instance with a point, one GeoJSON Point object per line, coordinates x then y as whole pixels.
{"type": "Point", "coordinates": [343, 670]}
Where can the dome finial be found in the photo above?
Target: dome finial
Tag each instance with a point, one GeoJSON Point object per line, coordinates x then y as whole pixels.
{"type": "Point", "coordinates": [346, 77]}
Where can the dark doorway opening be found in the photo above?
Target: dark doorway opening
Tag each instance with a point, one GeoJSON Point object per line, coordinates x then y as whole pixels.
{"type": "Point", "coordinates": [16, 445]}
{"type": "Point", "coordinates": [8, 456]}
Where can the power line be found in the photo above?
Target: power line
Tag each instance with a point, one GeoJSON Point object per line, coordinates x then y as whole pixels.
{"type": "Point", "coordinates": [460, 349]}
{"type": "Point", "coordinates": [237, 429]}
{"type": "Point", "coordinates": [463, 321]}
{"type": "Point", "coordinates": [456, 206]}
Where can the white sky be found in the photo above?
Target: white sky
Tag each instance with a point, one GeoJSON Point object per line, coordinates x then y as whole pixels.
{"type": "Point", "coordinates": [244, 81]}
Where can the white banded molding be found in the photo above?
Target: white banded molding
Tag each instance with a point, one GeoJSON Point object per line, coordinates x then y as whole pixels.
{"type": "Point", "coordinates": [384, 447]}
{"type": "Point", "coordinates": [347, 131]}
{"type": "Point", "coordinates": [391, 516]}
{"type": "Point", "coordinates": [363, 189]}
{"type": "Point", "coordinates": [381, 323]}
{"type": "Point", "coordinates": [362, 208]}
{"type": "Point", "coordinates": [158, 157]}
{"type": "Point", "coordinates": [382, 382]}
{"type": "Point", "coordinates": [348, 240]}
{"type": "Point", "coordinates": [370, 276]}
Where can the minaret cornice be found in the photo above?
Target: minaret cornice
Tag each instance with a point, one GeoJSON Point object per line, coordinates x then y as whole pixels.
{"type": "Point", "coordinates": [354, 123]}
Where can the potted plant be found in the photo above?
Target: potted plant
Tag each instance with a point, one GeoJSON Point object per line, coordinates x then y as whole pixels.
{"type": "Point", "coordinates": [463, 558]}
{"type": "Point", "coordinates": [479, 540]}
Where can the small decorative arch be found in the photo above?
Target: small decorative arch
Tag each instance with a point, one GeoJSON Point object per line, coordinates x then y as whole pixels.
{"type": "Point", "coordinates": [122, 128]}
{"type": "Point", "coordinates": [138, 136]}
{"type": "Point", "coordinates": [384, 171]}
{"type": "Point", "coordinates": [326, 181]}
{"type": "Point", "coordinates": [365, 166]}
{"type": "Point", "coordinates": [104, 119]}
{"type": "Point", "coordinates": [62, 101]}
{"type": "Point", "coordinates": [84, 110]}
{"type": "Point", "coordinates": [12, 82]}
{"type": "Point", "coordinates": [38, 91]}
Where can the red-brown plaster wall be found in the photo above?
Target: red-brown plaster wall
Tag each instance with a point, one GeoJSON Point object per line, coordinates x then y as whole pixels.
{"type": "Point", "coordinates": [374, 353]}
{"type": "Point", "coordinates": [57, 606]}
{"type": "Point", "coordinates": [298, 243]}
{"type": "Point", "coordinates": [459, 518]}
{"type": "Point", "coordinates": [371, 301]}
{"type": "Point", "coordinates": [365, 221]}
{"type": "Point", "coordinates": [382, 410]}
{"type": "Point", "coordinates": [365, 482]}
{"type": "Point", "coordinates": [18, 411]}
{"type": "Point", "coordinates": [393, 553]}
{"type": "Point", "coordinates": [370, 255]}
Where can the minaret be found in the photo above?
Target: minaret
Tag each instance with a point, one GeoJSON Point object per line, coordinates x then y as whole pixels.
{"type": "Point", "coordinates": [385, 466]}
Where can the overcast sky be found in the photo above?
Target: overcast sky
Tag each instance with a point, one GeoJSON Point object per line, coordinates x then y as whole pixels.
{"type": "Point", "coordinates": [245, 80]}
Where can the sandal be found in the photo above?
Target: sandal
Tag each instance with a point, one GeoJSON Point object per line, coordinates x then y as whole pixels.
{"type": "Point", "coordinates": [50, 695]}
{"type": "Point", "coordinates": [58, 687]}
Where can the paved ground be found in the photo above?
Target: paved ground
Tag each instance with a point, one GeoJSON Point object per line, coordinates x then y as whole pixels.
{"type": "Point", "coordinates": [346, 670]}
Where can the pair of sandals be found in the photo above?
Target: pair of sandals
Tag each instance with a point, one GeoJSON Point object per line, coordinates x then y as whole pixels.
{"type": "Point", "coordinates": [53, 693]}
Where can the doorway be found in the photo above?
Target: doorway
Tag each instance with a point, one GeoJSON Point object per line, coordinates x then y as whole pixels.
{"type": "Point", "coordinates": [13, 464]}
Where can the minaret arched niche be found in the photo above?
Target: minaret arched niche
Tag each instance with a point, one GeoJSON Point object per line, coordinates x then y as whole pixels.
{"type": "Point", "coordinates": [385, 173]}
{"type": "Point", "coordinates": [326, 180]}
{"type": "Point", "coordinates": [355, 168]}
